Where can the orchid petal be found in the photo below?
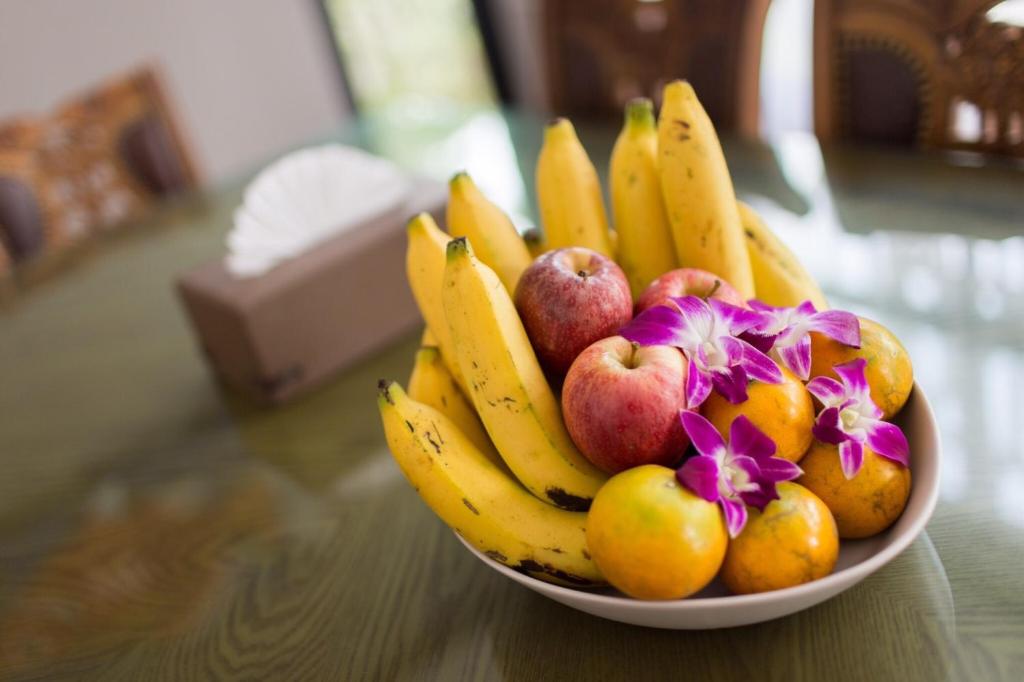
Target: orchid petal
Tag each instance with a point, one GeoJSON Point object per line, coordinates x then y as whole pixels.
{"type": "Point", "coordinates": [762, 342]}
{"type": "Point", "coordinates": [762, 307]}
{"type": "Point", "coordinates": [840, 325]}
{"type": "Point", "coordinates": [657, 326]}
{"type": "Point", "coordinates": [735, 515]}
{"type": "Point", "coordinates": [826, 389]}
{"type": "Point", "coordinates": [887, 440]}
{"type": "Point", "coordinates": [731, 382]}
{"type": "Point", "coordinates": [828, 427]}
{"type": "Point", "coordinates": [851, 457]}
{"type": "Point", "coordinates": [853, 378]}
{"type": "Point", "coordinates": [806, 309]}
{"type": "Point", "coordinates": [760, 497]}
{"type": "Point", "coordinates": [700, 475]}
{"type": "Point", "coordinates": [757, 365]}
{"type": "Point", "coordinates": [702, 433]}
{"type": "Point", "coordinates": [747, 439]}
{"type": "Point", "coordinates": [694, 309]}
{"type": "Point", "coordinates": [797, 357]}
{"type": "Point", "coordinates": [698, 385]}
{"type": "Point", "coordinates": [776, 469]}
{"type": "Point", "coordinates": [737, 319]}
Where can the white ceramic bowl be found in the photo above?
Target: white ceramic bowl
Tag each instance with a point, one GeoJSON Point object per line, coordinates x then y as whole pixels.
{"type": "Point", "coordinates": [714, 607]}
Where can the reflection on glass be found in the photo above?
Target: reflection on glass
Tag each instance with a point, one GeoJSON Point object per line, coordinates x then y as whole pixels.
{"type": "Point", "coordinates": [953, 298]}
{"type": "Point", "coordinates": [143, 561]}
{"type": "Point", "coordinates": [414, 58]}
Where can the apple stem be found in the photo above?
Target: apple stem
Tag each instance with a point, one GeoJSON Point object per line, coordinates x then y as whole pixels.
{"type": "Point", "coordinates": [713, 289]}
{"type": "Point", "coordinates": [632, 355]}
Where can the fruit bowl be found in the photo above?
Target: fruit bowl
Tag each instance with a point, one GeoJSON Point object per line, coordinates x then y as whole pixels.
{"type": "Point", "coordinates": [714, 607]}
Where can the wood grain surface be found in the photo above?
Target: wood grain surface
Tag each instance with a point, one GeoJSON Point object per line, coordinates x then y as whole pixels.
{"type": "Point", "coordinates": [154, 527]}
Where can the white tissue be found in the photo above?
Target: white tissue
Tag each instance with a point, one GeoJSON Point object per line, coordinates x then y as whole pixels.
{"type": "Point", "coordinates": [305, 198]}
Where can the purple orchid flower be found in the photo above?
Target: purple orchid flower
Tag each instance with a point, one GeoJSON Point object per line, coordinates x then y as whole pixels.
{"type": "Point", "coordinates": [708, 334]}
{"type": "Point", "coordinates": [850, 419]}
{"type": "Point", "coordinates": [789, 331]}
{"type": "Point", "coordinates": [734, 474]}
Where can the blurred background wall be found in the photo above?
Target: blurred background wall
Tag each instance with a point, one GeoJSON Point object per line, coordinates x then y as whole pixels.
{"type": "Point", "coordinates": [249, 77]}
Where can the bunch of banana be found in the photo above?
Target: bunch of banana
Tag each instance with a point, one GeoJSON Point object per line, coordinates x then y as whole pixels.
{"type": "Point", "coordinates": [569, 193]}
{"type": "Point", "coordinates": [479, 500]}
{"type": "Point", "coordinates": [645, 236]}
{"type": "Point", "coordinates": [779, 278]}
{"type": "Point", "coordinates": [424, 268]}
{"type": "Point", "coordinates": [698, 191]}
{"type": "Point", "coordinates": [494, 237]}
{"type": "Point", "coordinates": [508, 387]}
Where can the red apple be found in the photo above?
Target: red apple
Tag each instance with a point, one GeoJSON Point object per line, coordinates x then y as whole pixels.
{"type": "Point", "coordinates": [568, 299]}
{"type": "Point", "coordinates": [621, 404]}
{"type": "Point", "coordinates": [687, 282]}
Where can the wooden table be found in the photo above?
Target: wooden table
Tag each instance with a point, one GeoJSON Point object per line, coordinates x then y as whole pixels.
{"type": "Point", "coordinates": [153, 527]}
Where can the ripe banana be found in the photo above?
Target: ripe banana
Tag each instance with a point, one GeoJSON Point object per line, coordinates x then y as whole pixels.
{"type": "Point", "coordinates": [698, 191]}
{"type": "Point", "coordinates": [479, 501]}
{"type": "Point", "coordinates": [569, 193]}
{"type": "Point", "coordinates": [508, 387]}
{"type": "Point", "coordinates": [424, 267]}
{"type": "Point", "coordinates": [779, 278]}
{"type": "Point", "coordinates": [645, 248]}
{"type": "Point", "coordinates": [428, 338]}
{"type": "Point", "coordinates": [432, 384]}
{"type": "Point", "coordinates": [493, 236]}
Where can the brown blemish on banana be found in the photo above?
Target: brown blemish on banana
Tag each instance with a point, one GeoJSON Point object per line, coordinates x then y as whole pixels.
{"type": "Point", "coordinates": [529, 566]}
{"type": "Point", "coordinates": [683, 136]}
{"type": "Point", "coordinates": [560, 498]}
{"type": "Point", "coordinates": [440, 438]}
{"type": "Point", "coordinates": [470, 506]}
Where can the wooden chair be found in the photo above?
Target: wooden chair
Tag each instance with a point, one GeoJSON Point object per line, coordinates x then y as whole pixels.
{"type": "Point", "coordinates": [602, 53]}
{"type": "Point", "coordinates": [900, 71]}
{"type": "Point", "coordinates": [99, 161]}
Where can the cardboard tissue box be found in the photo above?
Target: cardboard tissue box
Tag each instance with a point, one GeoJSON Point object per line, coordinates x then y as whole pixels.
{"type": "Point", "coordinates": [274, 326]}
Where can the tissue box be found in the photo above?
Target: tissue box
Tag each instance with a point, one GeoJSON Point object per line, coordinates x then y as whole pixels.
{"type": "Point", "coordinates": [277, 335]}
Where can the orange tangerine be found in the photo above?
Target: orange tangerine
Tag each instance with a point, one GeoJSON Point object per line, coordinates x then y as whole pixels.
{"type": "Point", "coordinates": [793, 541]}
{"type": "Point", "coordinates": [864, 505]}
{"type": "Point", "coordinates": [889, 371]}
{"type": "Point", "coordinates": [784, 412]}
{"type": "Point", "coordinates": [652, 538]}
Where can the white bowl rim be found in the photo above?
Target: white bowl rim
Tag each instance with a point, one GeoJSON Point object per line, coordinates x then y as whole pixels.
{"type": "Point", "coordinates": [837, 579]}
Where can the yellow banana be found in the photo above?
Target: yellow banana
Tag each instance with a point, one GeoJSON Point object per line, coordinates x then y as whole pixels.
{"type": "Point", "coordinates": [569, 193]}
{"type": "Point", "coordinates": [478, 500]}
{"type": "Point", "coordinates": [645, 248]}
{"type": "Point", "coordinates": [428, 338]}
{"type": "Point", "coordinates": [698, 191]}
{"type": "Point", "coordinates": [493, 236]}
{"type": "Point", "coordinates": [508, 387]}
{"type": "Point", "coordinates": [424, 267]}
{"type": "Point", "coordinates": [432, 384]}
{"type": "Point", "coordinates": [779, 278]}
